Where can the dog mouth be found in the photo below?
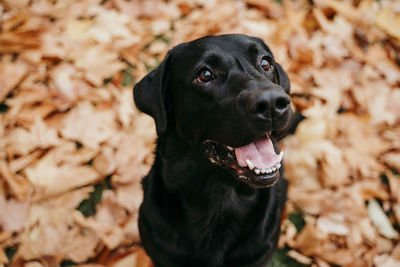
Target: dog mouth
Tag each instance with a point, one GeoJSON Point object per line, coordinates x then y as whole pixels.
{"type": "Point", "coordinates": [257, 164]}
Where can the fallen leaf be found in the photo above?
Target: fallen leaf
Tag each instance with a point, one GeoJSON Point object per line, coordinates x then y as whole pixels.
{"type": "Point", "coordinates": [11, 74]}
{"type": "Point", "coordinates": [333, 224]}
{"type": "Point", "coordinates": [89, 126]}
{"type": "Point", "coordinates": [18, 185]}
{"type": "Point", "coordinates": [13, 214]}
{"type": "Point", "coordinates": [55, 179]}
{"type": "Point", "coordinates": [92, 62]}
{"type": "Point", "coordinates": [385, 260]}
{"type": "Point", "coordinates": [389, 21]}
{"type": "Point", "coordinates": [380, 220]}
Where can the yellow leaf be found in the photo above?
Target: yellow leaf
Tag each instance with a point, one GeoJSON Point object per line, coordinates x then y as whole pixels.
{"type": "Point", "coordinates": [77, 29]}
{"type": "Point", "coordinates": [389, 21]}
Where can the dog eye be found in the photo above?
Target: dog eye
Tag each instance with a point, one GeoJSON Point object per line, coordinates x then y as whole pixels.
{"type": "Point", "coordinates": [266, 65]}
{"type": "Point", "coordinates": [205, 75]}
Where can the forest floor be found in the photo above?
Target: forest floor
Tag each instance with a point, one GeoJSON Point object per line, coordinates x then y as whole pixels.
{"type": "Point", "coordinates": [73, 148]}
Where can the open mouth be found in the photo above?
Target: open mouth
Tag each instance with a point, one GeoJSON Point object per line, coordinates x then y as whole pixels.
{"type": "Point", "coordinates": [256, 164]}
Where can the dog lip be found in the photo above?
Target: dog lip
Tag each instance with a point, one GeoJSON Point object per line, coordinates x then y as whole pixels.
{"type": "Point", "coordinates": [224, 156]}
{"type": "Point", "coordinates": [256, 181]}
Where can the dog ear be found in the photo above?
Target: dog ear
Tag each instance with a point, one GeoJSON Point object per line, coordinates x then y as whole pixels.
{"type": "Point", "coordinates": [149, 95]}
{"type": "Point", "coordinates": [283, 78]}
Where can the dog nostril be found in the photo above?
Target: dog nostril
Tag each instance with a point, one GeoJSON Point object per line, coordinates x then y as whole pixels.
{"type": "Point", "coordinates": [282, 103]}
{"type": "Point", "coordinates": [260, 108]}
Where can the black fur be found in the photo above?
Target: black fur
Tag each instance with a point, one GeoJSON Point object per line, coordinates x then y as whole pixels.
{"type": "Point", "coordinates": [196, 213]}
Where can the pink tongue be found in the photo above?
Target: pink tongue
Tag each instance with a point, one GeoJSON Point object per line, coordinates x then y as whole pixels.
{"type": "Point", "coordinates": [261, 153]}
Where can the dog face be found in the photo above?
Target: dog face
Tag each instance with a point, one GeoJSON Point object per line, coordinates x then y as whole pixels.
{"type": "Point", "coordinates": [226, 96]}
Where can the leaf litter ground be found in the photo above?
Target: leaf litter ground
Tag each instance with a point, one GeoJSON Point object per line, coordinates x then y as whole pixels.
{"type": "Point", "coordinates": [73, 148]}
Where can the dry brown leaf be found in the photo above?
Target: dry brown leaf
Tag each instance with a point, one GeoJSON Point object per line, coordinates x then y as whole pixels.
{"type": "Point", "coordinates": [13, 216]}
{"type": "Point", "coordinates": [375, 98]}
{"type": "Point", "coordinates": [55, 179]}
{"type": "Point", "coordinates": [80, 245]}
{"type": "Point", "coordinates": [385, 260]}
{"type": "Point", "coordinates": [394, 182]}
{"type": "Point", "coordinates": [110, 236]}
{"type": "Point", "coordinates": [299, 257]}
{"type": "Point", "coordinates": [392, 159]}
{"type": "Point", "coordinates": [130, 196]}
{"type": "Point", "coordinates": [310, 240]}
{"type": "Point", "coordinates": [3, 257]}
{"type": "Point", "coordinates": [270, 7]}
{"type": "Point", "coordinates": [389, 21]}
{"type": "Point", "coordinates": [396, 252]}
{"type": "Point", "coordinates": [105, 162]}
{"type": "Point", "coordinates": [130, 260]}
{"type": "Point", "coordinates": [23, 161]}
{"type": "Point", "coordinates": [343, 8]}
{"type": "Point", "coordinates": [60, 120]}
{"type": "Point", "coordinates": [92, 62]}
{"type": "Point", "coordinates": [133, 162]}
{"type": "Point", "coordinates": [140, 9]}
{"type": "Point", "coordinates": [354, 239]}
{"type": "Point", "coordinates": [89, 126]}
{"type": "Point", "coordinates": [384, 245]}
{"type": "Point", "coordinates": [109, 26]}
{"type": "Point", "coordinates": [33, 264]}
{"type": "Point", "coordinates": [124, 107]}
{"type": "Point", "coordinates": [131, 228]}
{"type": "Point", "coordinates": [18, 185]}
{"type": "Point", "coordinates": [11, 74]}
{"type": "Point", "coordinates": [333, 223]}
{"type": "Point", "coordinates": [25, 37]}
{"type": "Point", "coordinates": [67, 85]}
{"type": "Point", "coordinates": [361, 144]}
{"type": "Point", "coordinates": [380, 220]}
{"type": "Point", "coordinates": [52, 231]}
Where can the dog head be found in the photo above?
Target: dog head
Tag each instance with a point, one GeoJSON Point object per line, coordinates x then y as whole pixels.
{"type": "Point", "coordinates": [224, 95]}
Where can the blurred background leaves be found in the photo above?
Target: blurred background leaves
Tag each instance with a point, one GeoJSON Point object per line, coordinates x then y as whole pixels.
{"type": "Point", "coordinates": [73, 148]}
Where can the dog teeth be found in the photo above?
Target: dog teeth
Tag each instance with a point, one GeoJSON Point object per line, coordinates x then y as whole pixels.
{"type": "Point", "coordinates": [230, 148]}
{"type": "Point", "coordinates": [250, 164]}
{"type": "Point", "coordinates": [213, 160]}
{"type": "Point", "coordinates": [280, 156]}
{"type": "Point", "coordinates": [269, 170]}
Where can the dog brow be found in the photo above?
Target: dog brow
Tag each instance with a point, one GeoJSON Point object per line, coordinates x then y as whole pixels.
{"type": "Point", "coordinates": [212, 59]}
{"type": "Point", "coordinates": [253, 48]}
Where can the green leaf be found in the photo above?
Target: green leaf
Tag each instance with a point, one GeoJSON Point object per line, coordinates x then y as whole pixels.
{"type": "Point", "coordinates": [3, 107]}
{"type": "Point", "coordinates": [127, 78]}
{"type": "Point", "coordinates": [297, 219]}
{"type": "Point", "coordinates": [97, 193]}
{"type": "Point", "coordinates": [66, 263]}
{"type": "Point", "coordinates": [163, 39]}
{"type": "Point", "coordinates": [384, 179]}
{"type": "Point", "coordinates": [107, 81]}
{"type": "Point", "coordinates": [10, 252]}
{"type": "Point", "coordinates": [281, 259]}
{"type": "Point", "coordinates": [88, 206]}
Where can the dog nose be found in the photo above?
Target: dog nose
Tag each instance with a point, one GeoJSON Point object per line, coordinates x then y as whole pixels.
{"type": "Point", "coordinates": [268, 104]}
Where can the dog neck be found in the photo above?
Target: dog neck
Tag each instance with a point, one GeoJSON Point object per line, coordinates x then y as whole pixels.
{"type": "Point", "coordinates": [211, 207]}
{"type": "Point", "coordinates": [186, 169]}
{"type": "Point", "coordinates": [187, 181]}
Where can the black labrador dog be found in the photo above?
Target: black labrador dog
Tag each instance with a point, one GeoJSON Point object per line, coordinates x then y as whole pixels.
{"type": "Point", "coordinates": [213, 196]}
